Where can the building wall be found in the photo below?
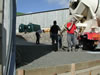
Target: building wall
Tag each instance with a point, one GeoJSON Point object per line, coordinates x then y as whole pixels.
{"type": "Point", "coordinates": [45, 19]}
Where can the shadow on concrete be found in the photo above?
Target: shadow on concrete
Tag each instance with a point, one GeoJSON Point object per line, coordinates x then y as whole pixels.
{"type": "Point", "coordinates": [93, 50]}
{"type": "Point", "coordinates": [96, 49]}
{"type": "Point", "coordinates": [28, 52]}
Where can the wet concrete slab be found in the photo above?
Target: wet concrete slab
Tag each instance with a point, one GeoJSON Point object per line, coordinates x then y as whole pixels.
{"type": "Point", "coordinates": [31, 55]}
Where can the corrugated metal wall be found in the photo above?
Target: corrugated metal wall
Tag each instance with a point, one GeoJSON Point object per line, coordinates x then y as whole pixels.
{"type": "Point", "coordinates": [45, 19]}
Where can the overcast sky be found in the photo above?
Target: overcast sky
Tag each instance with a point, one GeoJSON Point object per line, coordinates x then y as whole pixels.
{"type": "Point", "coordinates": [30, 6]}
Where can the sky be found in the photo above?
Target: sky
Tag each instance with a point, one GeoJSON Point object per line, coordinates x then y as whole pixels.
{"type": "Point", "coordinates": [30, 6]}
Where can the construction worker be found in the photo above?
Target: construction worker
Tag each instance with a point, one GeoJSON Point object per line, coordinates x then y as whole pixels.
{"type": "Point", "coordinates": [38, 36]}
{"type": "Point", "coordinates": [93, 29]}
{"type": "Point", "coordinates": [71, 29]}
{"type": "Point", "coordinates": [54, 33]}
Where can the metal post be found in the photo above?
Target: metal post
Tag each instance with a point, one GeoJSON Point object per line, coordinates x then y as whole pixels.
{"type": "Point", "coordinates": [1, 11]}
{"type": "Point", "coordinates": [8, 34]}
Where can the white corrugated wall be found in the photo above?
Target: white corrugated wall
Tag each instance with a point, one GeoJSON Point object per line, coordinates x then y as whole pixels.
{"type": "Point", "coordinates": [45, 19]}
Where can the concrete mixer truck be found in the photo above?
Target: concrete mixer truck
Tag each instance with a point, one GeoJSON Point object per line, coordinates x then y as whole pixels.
{"type": "Point", "coordinates": [87, 13]}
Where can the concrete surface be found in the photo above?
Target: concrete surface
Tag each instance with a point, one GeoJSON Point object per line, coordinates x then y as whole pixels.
{"type": "Point", "coordinates": [38, 56]}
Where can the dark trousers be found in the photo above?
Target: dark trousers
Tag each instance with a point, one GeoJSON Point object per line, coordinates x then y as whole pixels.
{"type": "Point", "coordinates": [56, 41]}
{"type": "Point", "coordinates": [37, 38]}
{"type": "Point", "coordinates": [54, 38]}
{"type": "Point", "coordinates": [38, 41]}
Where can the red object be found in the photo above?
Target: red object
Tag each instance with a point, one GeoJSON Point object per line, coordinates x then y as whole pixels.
{"type": "Point", "coordinates": [93, 36]}
{"type": "Point", "coordinates": [71, 31]}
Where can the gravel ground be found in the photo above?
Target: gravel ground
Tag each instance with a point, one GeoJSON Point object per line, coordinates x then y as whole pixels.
{"type": "Point", "coordinates": [45, 38]}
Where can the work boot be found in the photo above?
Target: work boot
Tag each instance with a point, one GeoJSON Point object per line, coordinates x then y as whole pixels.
{"type": "Point", "coordinates": [73, 49]}
{"type": "Point", "coordinates": [69, 49]}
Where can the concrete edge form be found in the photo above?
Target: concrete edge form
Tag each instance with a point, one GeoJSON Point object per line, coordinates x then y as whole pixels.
{"type": "Point", "coordinates": [61, 69]}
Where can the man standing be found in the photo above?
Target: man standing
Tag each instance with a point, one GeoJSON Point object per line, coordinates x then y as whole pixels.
{"type": "Point", "coordinates": [54, 33]}
{"type": "Point", "coordinates": [71, 39]}
{"type": "Point", "coordinates": [71, 29]}
{"type": "Point", "coordinates": [38, 36]}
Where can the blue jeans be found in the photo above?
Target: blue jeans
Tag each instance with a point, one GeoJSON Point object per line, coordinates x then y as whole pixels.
{"type": "Point", "coordinates": [71, 40]}
{"type": "Point", "coordinates": [60, 41]}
